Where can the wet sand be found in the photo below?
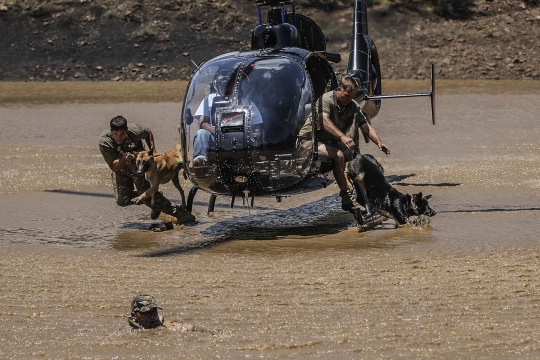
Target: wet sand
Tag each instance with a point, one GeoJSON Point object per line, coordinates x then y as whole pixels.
{"type": "Point", "coordinates": [291, 279]}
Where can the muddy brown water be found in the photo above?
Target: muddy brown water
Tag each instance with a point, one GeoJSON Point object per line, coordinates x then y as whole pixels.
{"type": "Point", "coordinates": [282, 280]}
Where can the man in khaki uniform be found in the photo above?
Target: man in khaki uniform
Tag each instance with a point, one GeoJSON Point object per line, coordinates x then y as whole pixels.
{"type": "Point", "coordinates": [145, 315]}
{"type": "Point", "coordinates": [338, 112]}
{"type": "Point", "coordinates": [117, 146]}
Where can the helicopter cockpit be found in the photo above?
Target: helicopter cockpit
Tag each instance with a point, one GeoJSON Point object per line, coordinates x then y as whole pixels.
{"type": "Point", "coordinates": [242, 118]}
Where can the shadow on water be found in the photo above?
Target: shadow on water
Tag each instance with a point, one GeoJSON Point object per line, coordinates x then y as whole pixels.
{"type": "Point", "coordinates": [424, 184]}
{"type": "Point", "coordinates": [94, 194]}
{"type": "Point", "coordinates": [490, 210]}
{"type": "Point", "coordinates": [219, 205]}
{"type": "Point", "coordinates": [302, 228]}
{"type": "Point", "coordinates": [398, 180]}
{"type": "Point", "coordinates": [80, 193]}
{"type": "Point", "coordinates": [307, 221]}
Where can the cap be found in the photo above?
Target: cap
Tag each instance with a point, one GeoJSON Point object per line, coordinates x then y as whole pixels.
{"type": "Point", "coordinates": [222, 80]}
{"type": "Point", "coordinates": [144, 303]}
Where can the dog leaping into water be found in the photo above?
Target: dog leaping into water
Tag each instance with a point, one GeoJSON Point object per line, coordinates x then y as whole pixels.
{"type": "Point", "coordinates": [383, 197]}
{"type": "Point", "coordinates": [160, 169]}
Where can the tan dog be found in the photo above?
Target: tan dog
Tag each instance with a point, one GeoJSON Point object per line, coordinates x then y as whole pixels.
{"type": "Point", "coordinates": [160, 169]}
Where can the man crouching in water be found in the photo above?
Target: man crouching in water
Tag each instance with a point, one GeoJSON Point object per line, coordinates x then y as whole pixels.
{"type": "Point", "coordinates": [145, 315]}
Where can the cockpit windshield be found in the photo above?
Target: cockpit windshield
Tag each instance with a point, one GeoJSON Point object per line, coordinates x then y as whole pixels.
{"type": "Point", "coordinates": [271, 99]}
{"type": "Point", "coordinates": [281, 91]}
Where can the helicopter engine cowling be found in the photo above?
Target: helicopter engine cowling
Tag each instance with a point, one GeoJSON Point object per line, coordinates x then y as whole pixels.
{"type": "Point", "coordinates": [275, 36]}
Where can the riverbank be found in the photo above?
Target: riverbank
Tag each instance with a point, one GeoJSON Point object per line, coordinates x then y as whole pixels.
{"type": "Point", "coordinates": [98, 40]}
{"type": "Point", "coordinates": [36, 93]}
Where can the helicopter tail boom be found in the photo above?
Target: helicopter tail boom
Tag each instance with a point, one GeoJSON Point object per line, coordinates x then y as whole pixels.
{"type": "Point", "coordinates": [360, 48]}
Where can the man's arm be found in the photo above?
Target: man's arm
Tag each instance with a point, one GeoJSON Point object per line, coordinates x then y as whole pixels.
{"type": "Point", "coordinates": [370, 132]}
{"type": "Point", "coordinates": [118, 164]}
{"type": "Point", "coordinates": [332, 129]}
{"type": "Point", "coordinates": [150, 141]}
{"type": "Point", "coordinates": [204, 123]}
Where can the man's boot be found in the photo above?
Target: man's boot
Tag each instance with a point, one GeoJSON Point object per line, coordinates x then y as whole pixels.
{"type": "Point", "coordinates": [349, 203]}
{"type": "Point", "coordinates": [182, 216]}
{"type": "Point", "coordinates": [154, 214]}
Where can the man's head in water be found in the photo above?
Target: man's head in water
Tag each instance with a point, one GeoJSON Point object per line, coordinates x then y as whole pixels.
{"type": "Point", "coordinates": [144, 312]}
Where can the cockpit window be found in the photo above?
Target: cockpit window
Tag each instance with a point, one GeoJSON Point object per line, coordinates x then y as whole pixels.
{"type": "Point", "coordinates": [280, 90]}
{"type": "Point", "coordinates": [247, 113]}
{"type": "Point", "coordinates": [212, 83]}
{"type": "Point", "coordinates": [213, 77]}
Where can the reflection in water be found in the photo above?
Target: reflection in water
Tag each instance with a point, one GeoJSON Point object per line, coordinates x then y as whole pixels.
{"type": "Point", "coordinates": [140, 238]}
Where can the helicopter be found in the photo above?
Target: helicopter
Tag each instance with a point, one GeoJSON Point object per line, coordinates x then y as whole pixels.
{"type": "Point", "coordinates": [255, 102]}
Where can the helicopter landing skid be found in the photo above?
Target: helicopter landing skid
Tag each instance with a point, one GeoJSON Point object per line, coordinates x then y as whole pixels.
{"type": "Point", "coordinates": [368, 221]}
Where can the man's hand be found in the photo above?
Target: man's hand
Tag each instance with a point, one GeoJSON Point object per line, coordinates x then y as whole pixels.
{"type": "Point", "coordinates": [384, 149]}
{"type": "Point", "coordinates": [347, 141]}
{"type": "Point", "coordinates": [129, 157]}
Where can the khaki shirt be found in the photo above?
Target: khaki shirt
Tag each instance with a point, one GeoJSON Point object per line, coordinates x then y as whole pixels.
{"type": "Point", "coordinates": [342, 118]}
{"type": "Point", "coordinates": [111, 151]}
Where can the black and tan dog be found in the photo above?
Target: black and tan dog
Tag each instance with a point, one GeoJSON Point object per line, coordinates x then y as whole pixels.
{"type": "Point", "coordinates": [160, 169]}
{"type": "Point", "coordinates": [382, 196]}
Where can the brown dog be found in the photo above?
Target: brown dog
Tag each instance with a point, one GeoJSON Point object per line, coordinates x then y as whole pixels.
{"type": "Point", "coordinates": [160, 169]}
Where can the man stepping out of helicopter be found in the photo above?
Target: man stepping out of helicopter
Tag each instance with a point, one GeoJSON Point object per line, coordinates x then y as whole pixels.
{"type": "Point", "coordinates": [338, 112]}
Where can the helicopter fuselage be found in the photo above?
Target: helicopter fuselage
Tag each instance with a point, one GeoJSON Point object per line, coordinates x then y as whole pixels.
{"type": "Point", "coordinates": [249, 118]}
{"type": "Point", "coordinates": [253, 140]}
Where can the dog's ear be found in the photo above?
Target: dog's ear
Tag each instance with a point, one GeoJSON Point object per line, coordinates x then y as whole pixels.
{"type": "Point", "coordinates": [427, 197]}
{"type": "Point", "coordinates": [136, 153]}
{"type": "Point", "coordinates": [150, 153]}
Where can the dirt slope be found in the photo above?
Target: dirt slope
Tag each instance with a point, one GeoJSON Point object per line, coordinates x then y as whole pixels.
{"type": "Point", "coordinates": [160, 39]}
